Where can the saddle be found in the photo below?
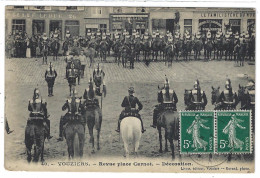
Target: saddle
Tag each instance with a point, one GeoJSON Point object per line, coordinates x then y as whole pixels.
{"type": "Point", "coordinates": [129, 113]}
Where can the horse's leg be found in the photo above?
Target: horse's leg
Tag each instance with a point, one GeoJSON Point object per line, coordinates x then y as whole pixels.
{"type": "Point", "coordinates": [165, 137]}
{"type": "Point", "coordinates": [136, 146]}
{"type": "Point", "coordinates": [29, 153]}
{"type": "Point", "coordinates": [81, 142]}
{"type": "Point", "coordinates": [172, 148]}
{"type": "Point", "coordinates": [42, 150]}
{"type": "Point", "coordinates": [126, 148]}
{"type": "Point", "coordinates": [160, 138]}
{"type": "Point", "coordinates": [91, 140]}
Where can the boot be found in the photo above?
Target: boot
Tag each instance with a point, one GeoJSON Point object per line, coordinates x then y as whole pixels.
{"type": "Point", "coordinates": [48, 122]}
{"type": "Point", "coordinates": [51, 91]}
{"type": "Point", "coordinates": [143, 130]}
{"type": "Point", "coordinates": [60, 130]}
{"type": "Point", "coordinates": [118, 127]}
{"type": "Point", "coordinates": [154, 119]}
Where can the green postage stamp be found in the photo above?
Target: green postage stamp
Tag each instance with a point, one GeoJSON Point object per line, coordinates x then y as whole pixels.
{"type": "Point", "coordinates": [233, 132]}
{"type": "Point", "coordinates": [196, 132]}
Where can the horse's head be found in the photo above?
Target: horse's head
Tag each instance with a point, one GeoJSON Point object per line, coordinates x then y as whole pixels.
{"type": "Point", "coordinates": [215, 94]}
{"type": "Point", "coordinates": [91, 92]}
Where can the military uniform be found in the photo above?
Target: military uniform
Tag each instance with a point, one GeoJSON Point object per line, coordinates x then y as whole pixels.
{"type": "Point", "coordinates": [73, 106]}
{"type": "Point", "coordinates": [167, 100]}
{"type": "Point", "coordinates": [197, 99]}
{"type": "Point", "coordinates": [98, 77]}
{"type": "Point", "coordinates": [228, 97]}
{"type": "Point", "coordinates": [129, 103]}
{"type": "Point", "coordinates": [50, 76]}
{"type": "Point", "coordinates": [38, 110]}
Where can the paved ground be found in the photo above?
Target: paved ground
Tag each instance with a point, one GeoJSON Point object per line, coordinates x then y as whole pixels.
{"type": "Point", "coordinates": [23, 75]}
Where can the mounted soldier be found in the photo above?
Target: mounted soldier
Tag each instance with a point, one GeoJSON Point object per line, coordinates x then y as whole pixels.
{"type": "Point", "coordinates": [73, 107]}
{"type": "Point", "coordinates": [129, 103]}
{"type": "Point", "coordinates": [50, 76]}
{"type": "Point", "coordinates": [250, 87]}
{"type": "Point", "coordinates": [196, 98]}
{"type": "Point", "coordinates": [38, 110]}
{"type": "Point", "coordinates": [228, 98]}
{"type": "Point", "coordinates": [209, 35]}
{"type": "Point", "coordinates": [167, 100]}
{"type": "Point", "coordinates": [98, 77]}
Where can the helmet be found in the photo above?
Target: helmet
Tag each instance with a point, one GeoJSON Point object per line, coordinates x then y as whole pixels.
{"type": "Point", "coordinates": [131, 90]}
{"type": "Point", "coordinates": [166, 83]}
{"type": "Point", "coordinates": [250, 83]}
{"type": "Point", "coordinates": [228, 84]}
{"type": "Point", "coordinates": [50, 65]}
{"type": "Point", "coordinates": [36, 93]}
{"type": "Point", "coordinates": [197, 84]}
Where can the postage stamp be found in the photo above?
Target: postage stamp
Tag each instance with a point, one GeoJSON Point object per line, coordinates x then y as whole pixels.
{"type": "Point", "coordinates": [233, 132]}
{"type": "Point", "coordinates": [196, 132]}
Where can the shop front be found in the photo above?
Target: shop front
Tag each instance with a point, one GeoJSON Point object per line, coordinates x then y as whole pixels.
{"type": "Point", "coordinates": [212, 25]}
{"type": "Point", "coordinates": [39, 22]}
{"type": "Point", "coordinates": [129, 21]}
{"type": "Point", "coordinates": [93, 24]}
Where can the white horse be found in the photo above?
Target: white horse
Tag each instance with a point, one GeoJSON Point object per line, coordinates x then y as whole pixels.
{"type": "Point", "coordinates": [131, 131]}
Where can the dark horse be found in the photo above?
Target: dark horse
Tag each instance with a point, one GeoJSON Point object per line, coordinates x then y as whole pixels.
{"type": "Point", "coordinates": [156, 46]}
{"type": "Point", "coordinates": [74, 130]}
{"type": "Point", "coordinates": [117, 51]}
{"type": "Point", "coordinates": [169, 120]}
{"type": "Point", "coordinates": [208, 47]}
{"type": "Point", "coordinates": [197, 47]}
{"type": "Point", "coordinates": [55, 47]}
{"type": "Point", "coordinates": [93, 115]}
{"type": "Point", "coordinates": [147, 47]}
{"type": "Point", "coordinates": [103, 50]}
{"type": "Point", "coordinates": [170, 51]}
{"type": "Point", "coordinates": [34, 138]}
{"type": "Point", "coordinates": [45, 51]}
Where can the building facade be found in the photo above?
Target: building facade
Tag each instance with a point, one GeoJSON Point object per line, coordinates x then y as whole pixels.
{"type": "Point", "coordinates": [79, 20]}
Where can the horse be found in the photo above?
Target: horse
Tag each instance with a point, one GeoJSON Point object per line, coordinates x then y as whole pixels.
{"type": "Point", "coordinates": [251, 48]}
{"type": "Point", "coordinates": [130, 128]}
{"type": "Point", "coordinates": [55, 47]}
{"type": "Point", "coordinates": [34, 138]}
{"type": "Point", "coordinates": [125, 54]}
{"type": "Point", "coordinates": [65, 47]}
{"type": "Point", "coordinates": [137, 48]}
{"type": "Point", "coordinates": [156, 46]}
{"type": "Point", "coordinates": [162, 49]}
{"type": "Point", "coordinates": [103, 49]}
{"type": "Point", "coordinates": [208, 47]}
{"type": "Point", "coordinates": [92, 116]}
{"type": "Point", "coordinates": [178, 48]}
{"type": "Point", "coordinates": [197, 47]}
{"type": "Point", "coordinates": [219, 47]}
{"type": "Point", "coordinates": [185, 49]}
{"type": "Point", "coordinates": [74, 133]}
{"type": "Point", "coordinates": [169, 120]}
{"type": "Point", "coordinates": [45, 48]}
{"type": "Point", "coordinates": [117, 51]}
{"type": "Point", "coordinates": [109, 45]}
{"type": "Point", "coordinates": [90, 52]}
{"type": "Point", "coordinates": [229, 48]}
{"type": "Point", "coordinates": [242, 52]}
{"type": "Point", "coordinates": [169, 53]}
{"type": "Point", "coordinates": [147, 46]}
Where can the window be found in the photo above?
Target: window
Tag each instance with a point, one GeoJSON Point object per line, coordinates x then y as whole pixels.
{"type": "Point", "coordinates": [18, 7]}
{"type": "Point", "coordinates": [56, 25]}
{"type": "Point", "coordinates": [72, 26]}
{"type": "Point", "coordinates": [71, 7]}
{"type": "Point", "coordinates": [97, 10]}
{"type": "Point", "coordinates": [159, 24]}
{"type": "Point", "coordinates": [235, 25]}
{"type": "Point", "coordinates": [117, 10]}
{"type": "Point", "coordinates": [103, 28]}
{"type": "Point", "coordinates": [39, 7]}
{"type": "Point", "coordinates": [188, 25]}
{"type": "Point", "coordinates": [38, 27]}
{"type": "Point", "coordinates": [140, 9]}
{"type": "Point", "coordinates": [18, 25]}
{"type": "Point", "coordinates": [250, 25]}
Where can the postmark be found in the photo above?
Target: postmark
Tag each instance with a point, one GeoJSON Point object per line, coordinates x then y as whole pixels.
{"type": "Point", "coordinates": [233, 132]}
{"type": "Point", "coordinates": [196, 132]}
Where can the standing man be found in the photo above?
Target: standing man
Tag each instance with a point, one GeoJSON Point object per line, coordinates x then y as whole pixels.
{"type": "Point", "coordinates": [50, 76]}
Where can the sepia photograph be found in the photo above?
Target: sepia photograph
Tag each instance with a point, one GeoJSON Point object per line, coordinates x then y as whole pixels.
{"type": "Point", "coordinates": [129, 89]}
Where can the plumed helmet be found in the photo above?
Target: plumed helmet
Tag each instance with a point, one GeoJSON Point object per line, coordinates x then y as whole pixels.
{"type": "Point", "coordinates": [196, 84]}
{"type": "Point", "coordinates": [36, 92]}
{"type": "Point", "coordinates": [228, 84]}
{"type": "Point", "coordinates": [166, 83]}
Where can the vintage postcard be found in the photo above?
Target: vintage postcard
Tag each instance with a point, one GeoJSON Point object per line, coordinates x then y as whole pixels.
{"type": "Point", "coordinates": [130, 89]}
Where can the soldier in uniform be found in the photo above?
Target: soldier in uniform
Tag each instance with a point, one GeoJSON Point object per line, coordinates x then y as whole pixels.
{"type": "Point", "coordinates": [73, 106]}
{"type": "Point", "coordinates": [68, 35]}
{"type": "Point", "coordinates": [167, 98]}
{"type": "Point", "coordinates": [228, 98]}
{"type": "Point", "coordinates": [177, 35]}
{"type": "Point", "coordinates": [129, 104]}
{"type": "Point", "coordinates": [208, 35]}
{"type": "Point", "coordinates": [250, 87]}
{"type": "Point", "coordinates": [198, 98]}
{"type": "Point", "coordinates": [50, 76]}
{"type": "Point", "coordinates": [153, 36]}
{"type": "Point", "coordinates": [157, 33]}
{"type": "Point", "coordinates": [38, 109]}
{"type": "Point", "coordinates": [98, 77]}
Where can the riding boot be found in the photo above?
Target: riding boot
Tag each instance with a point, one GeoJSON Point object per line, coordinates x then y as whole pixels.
{"type": "Point", "coordinates": [48, 122]}
{"type": "Point", "coordinates": [118, 126]}
{"type": "Point", "coordinates": [143, 130]}
{"type": "Point", "coordinates": [51, 91]}
{"type": "Point", "coordinates": [61, 130]}
{"type": "Point", "coordinates": [155, 113]}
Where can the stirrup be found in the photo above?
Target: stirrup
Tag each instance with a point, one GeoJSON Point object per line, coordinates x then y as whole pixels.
{"type": "Point", "coordinates": [154, 126]}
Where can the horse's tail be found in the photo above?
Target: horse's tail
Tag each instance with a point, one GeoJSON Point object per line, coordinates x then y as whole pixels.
{"type": "Point", "coordinates": [76, 145]}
